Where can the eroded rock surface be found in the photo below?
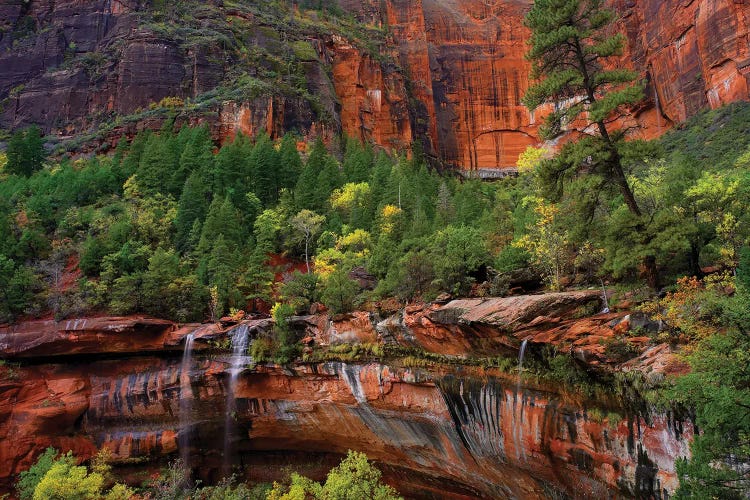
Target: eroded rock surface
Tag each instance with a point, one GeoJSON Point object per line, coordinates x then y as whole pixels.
{"type": "Point", "coordinates": [462, 431]}
{"type": "Point", "coordinates": [492, 436]}
{"type": "Point", "coordinates": [450, 75]}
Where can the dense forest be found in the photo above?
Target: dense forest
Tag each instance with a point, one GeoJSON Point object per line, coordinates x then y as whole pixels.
{"type": "Point", "coordinates": [167, 226]}
{"type": "Point", "coordinates": [174, 224]}
{"type": "Point", "coordinates": [171, 226]}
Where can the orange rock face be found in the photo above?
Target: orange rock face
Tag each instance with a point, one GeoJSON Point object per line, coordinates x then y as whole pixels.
{"type": "Point", "coordinates": [460, 432]}
{"type": "Point", "coordinates": [451, 74]}
{"type": "Point", "coordinates": [465, 60]}
{"type": "Point", "coordinates": [467, 71]}
{"type": "Point", "coordinates": [468, 435]}
{"type": "Point", "coordinates": [695, 54]}
{"type": "Point", "coordinates": [374, 102]}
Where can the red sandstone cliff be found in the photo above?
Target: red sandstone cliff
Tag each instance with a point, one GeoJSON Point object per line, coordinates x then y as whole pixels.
{"type": "Point", "coordinates": [451, 74]}
{"type": "Point", "coordinates": [462, 431]}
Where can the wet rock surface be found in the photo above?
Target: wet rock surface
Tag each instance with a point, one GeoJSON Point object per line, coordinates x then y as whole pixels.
{"type": "Point", "coordinates": [468, 432]}
{"type": "Point", "coordinates": [448, 430]}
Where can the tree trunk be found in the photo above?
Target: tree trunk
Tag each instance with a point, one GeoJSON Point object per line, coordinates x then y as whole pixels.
{"type": "Point", "coordinates": [650, 270]}
{"type": "Point", "coordinates": [307, 260]}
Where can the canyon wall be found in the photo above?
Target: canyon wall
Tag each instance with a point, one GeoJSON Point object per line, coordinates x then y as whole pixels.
{"type": "Point", "coordinates": [450, 75]}
{"type": "Point", "coordinates": [447, 429]}
{"type": "Point", "coordinates": [468, 435]}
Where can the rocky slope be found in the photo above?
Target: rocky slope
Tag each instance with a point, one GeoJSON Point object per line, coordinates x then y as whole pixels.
{"type": "Point", "coordinates": [442, 430]}
{"type": "Point", "coordinates": [449, 73]}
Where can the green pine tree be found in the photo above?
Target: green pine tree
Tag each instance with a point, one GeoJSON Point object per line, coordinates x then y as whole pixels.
{"type": "Point", "coordinates": [197, 156]}
{"type": "Point", "coordinates": [223, 218]}
{"type": "Point", "coordinates": [306, 190]}
{"type": "Point", "coordinates": [231, 174]}
{"type": "Point", "coordinates": [358, 161]}
{"type": "Point", "coordinates": [130, 163]}
{"type": "Point", "coordinates": [290, 164]}
{"type": "Point", "coordinates": [264, 168]}
{"type": "Point", "coordinates": [221, 272]}
{"type": "Point", "coordinates": [192, 207]}
{"type": "Point", "coordinates": [574, 59]}
{"type": "Point", "coordinates": [25, 152]}
{"type": "Point", "coordinates": [156, 166]}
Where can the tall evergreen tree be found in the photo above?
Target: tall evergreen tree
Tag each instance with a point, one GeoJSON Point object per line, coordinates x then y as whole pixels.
{"type": "Point", "coordinates": [130, 163]}
{"type": "Point", "coordinates": [306, 190]}
{"type": "Point", "coordinates": [156, 166]}
{"type": "Point", "coordinates": [290, 164]}
{"type": "Point", "coordinates": [574, 57]}
{"type": "Point", "coordinates": [358, 161]}
{"type": "Point", "coordinates": [231, 173]}
{"type": "Point", "coordinates": [197, 155]}
{"type": "Point", "coordinates": [25, 152]}
{"type": "Point", "coordinates": [223, 218]}
{"type": "Point", "coordinates": [264, 168]}
{"type": "Point", "coordinates": [329, 178]}
{"type": "Point", "coordinates": [221, 272]}
{"type": "Point", "coordinates": [192, 207]}
{"type": "Point", "coordinates": [121, 152]}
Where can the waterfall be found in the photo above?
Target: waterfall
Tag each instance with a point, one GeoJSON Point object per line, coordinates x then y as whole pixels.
{"type": "Point", "coordinates": [517, 423]}
{"type": "Point", "coordinates": [237, 363]}
{"type": "Point", "coordinates": [604, 296]}
{"type": "Point", "coordinates": [186, 401]}
{"type": "Point", "coordinates": [521, 354]}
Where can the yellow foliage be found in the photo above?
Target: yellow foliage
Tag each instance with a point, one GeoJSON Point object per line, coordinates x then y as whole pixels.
{"type": "Point", "coordinates": [326, 261]}
{"type": "Point", "coordinates": [168, 102]}
{"type": "Point", "coordinates": [64, 481]}
{"type": "Point", "coordinates": [119, 492]}
{"type": "Point", "coordinates": [100, 462]}
{"type": "Point", "coordinates": [389, 217]}
{"type": "Point", "coordinates": [358, 241]}
{"type": "Point", "coordinates": [351, 194]}
{"type": "Point", "coordinates": [530, 159]}
{"type": "Point", "coordinates": [546, 243]}
{"type": "Point", "coordinates": [685, 309]}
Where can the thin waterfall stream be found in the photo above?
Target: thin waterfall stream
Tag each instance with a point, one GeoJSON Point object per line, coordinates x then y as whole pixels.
{"type": "Point", "coordinates": [237, 363]}
{"type": "Point", "coordinates": [519, 404]}
{"type": "Point", "coordinates": [186, 401]}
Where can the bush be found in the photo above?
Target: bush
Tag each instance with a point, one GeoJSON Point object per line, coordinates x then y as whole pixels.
{"type": "Point", "coordinates": [29, 479]}
{"type": "Point", "coordinates": [353, 479]}
{"type": "Point", "coordinates": [59, 478]}
{"type": "Point", "coordinates": [511, 258]}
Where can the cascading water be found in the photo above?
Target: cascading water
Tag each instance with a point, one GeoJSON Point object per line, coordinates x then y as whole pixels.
{"type": "Point", "coordinates": [521, 353]}
{"type": "Point", "coordinates": [186, 400]}
{"type": "Point", "coordinates": [604, 298]}
{"type": "Point", "coordinates": [519, 404]}
{"type": "Point", "coordinates": [238, 361]}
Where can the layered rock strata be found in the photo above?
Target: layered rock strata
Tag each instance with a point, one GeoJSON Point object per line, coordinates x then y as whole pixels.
{"type": "Point", "coordinates": [450, 76]}
{"type": "Point", "coordinates": [445, 430]}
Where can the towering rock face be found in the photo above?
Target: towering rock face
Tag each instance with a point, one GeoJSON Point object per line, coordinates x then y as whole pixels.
{"type": "Point", "coordinates": [465, 58]}
{"type": "Point", "coordinates": [465, 436]}
{"type": "Point", "coordinates": [373, 97]}
{"type": "Point", "coordinates": [446, 430]}
{"type": "Point", "coordinates": [695, 54]}
{"type": "Point", "coordinates": [450, 74]}
{"type": "Point", "coordinates": [466, 62]}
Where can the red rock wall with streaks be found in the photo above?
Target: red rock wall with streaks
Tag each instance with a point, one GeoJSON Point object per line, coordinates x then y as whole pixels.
{"type": "Point", "coordinates": [468, 436]}
{"type": "Point", "coordinates": [465, 60]}
{"type": "Point", "coordinates": [456, 87]}
{"type": "Point", "coordinates": [463, 431]}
